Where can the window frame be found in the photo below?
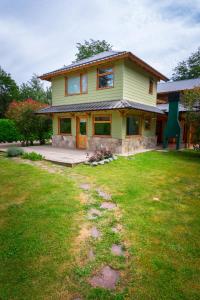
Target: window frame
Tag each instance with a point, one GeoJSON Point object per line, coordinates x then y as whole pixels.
{"type": "Point", "coordinates": [140, 123]}
{"type": "Point", "coordinates": [151, 86]}
{"type": "Point", "coordinates": [94, 122]}
{"type": "Point", "coordinates": [59, 132]}
{"type": "Point", "coordinates": [103, 74]}
{"type": "Point", "coordinates": [150, 122]}
{"type": "Point", "coordinates": [81, 88]}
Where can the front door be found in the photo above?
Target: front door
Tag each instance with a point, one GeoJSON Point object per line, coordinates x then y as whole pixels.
{"type": "Point", "coordinates": [81, 132]}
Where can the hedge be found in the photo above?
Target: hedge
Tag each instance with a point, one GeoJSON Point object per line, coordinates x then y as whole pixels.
{"type": "Point", "coordinates": [8, 131]}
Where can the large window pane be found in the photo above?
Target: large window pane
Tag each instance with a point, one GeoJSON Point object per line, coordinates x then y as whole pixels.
{"type": "Point", "coordinates": [132, 125]}
{"type": "Point", "coordinates": [73, 86]}
{"type": "Point", "coordinates": [106, 81]}
{"type": "Point", "coordinates": [65, 125]}
{"type": "Point", "coordinates": [102, 129]}
{"type": "Point", "coordinates": [84, 83]}
{"type": "Point", "coordinates": [83, 127]}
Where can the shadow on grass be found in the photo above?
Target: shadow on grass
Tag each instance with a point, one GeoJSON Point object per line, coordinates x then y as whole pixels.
{"type": "Point", "coordinates": [186, 155]}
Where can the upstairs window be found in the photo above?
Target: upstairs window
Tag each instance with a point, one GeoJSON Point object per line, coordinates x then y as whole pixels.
{"type": "Point", "coordinates": [102, 125]}
{"type": "Point", "coordinates": [64, 125]}
{"type": "Point", "coordinates": [105, 78]}
{"type": "Point", "coordinates": [76, 85]}
{"type": "Point", "coordinates": [150, 86]}
{"type": "Point", "coordinates": [132, 125]}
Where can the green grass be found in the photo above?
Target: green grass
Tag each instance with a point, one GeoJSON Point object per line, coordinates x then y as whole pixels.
{"type": "Point", "coordinates": [163, 235]}
{"type": "Point", "coordinates": [41, 215]}
{"type": "Point", "coordinates": [39, 220]}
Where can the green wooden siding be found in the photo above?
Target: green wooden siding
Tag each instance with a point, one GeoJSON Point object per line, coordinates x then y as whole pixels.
{"type": "Point", "coordinates": [116, 127]}
{"type": "Point", "coordinates": [93, 95]}
{"type": "Point", "coordinates": [136, 85]}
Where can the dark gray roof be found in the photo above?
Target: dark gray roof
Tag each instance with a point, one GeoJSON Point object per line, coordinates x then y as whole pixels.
{"type": "Point", "coordinates": [165, 107]}
{"type": "Point", "coordinates": [180, 85]}
{"type": "Point", "coordinates": [96, 106]}
{"type": "Point", "coordinates": [94, 58]}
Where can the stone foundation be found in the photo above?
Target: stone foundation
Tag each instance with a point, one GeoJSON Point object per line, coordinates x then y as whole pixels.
{"type": "Point", "coordinates": [127, 146]}
{"type": "Point", "coordinates": [98, 143]}
{"type": "Point", "coordinates": [136, 143]}
{"type": "Point", "coordinates": [64, 141]}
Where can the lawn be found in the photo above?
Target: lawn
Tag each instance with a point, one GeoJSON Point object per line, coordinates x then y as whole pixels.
{"type": "Point", "coordinates": [158, 194]}
{"type": "Point", "coordinates": [40, 214]}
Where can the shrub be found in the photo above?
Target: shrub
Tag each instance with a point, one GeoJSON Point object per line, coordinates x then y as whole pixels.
{"type": "Point", "coordinates": [100, 155]}
{"type": "Point", "coordinates": [8, 131]}
{"type": "Point", "coordinates": [31, 126]}
{"type": "Point", "coordinates": [32, 156]}
{"type": "Point", "coordinates": [14, 151]}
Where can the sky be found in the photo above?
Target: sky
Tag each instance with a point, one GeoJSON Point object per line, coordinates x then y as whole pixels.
{"type": "Point", "coordinates": [37, 36]}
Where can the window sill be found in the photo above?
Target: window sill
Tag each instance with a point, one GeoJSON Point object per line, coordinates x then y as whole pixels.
{"type": "Point", "coordinates": [105, 88]}
{"type": "Point", "coordinates": [133, 135]}
{"type": "Point", "coordinates": [104, 136]}
{"type": "Point", "coordinates": [67, 134]}
{"type": "Point", "coordinates": [78, 94]}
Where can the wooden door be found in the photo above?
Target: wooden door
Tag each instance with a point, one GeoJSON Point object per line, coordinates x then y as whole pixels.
{"type": "Point", "coordinates": [81, 132]}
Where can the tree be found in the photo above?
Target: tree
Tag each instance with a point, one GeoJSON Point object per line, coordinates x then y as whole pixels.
{"type": "Point", "coordinates": [34, 89]}
{"type": "Point", "coordinates": [189, 68]}
{"type": "Point", "coordinates": [191, 100]}
{"type": "Point", "coordinates": [9, 91]}
{"type": "Point", "coordinates": [30, 125]}
{"type": "Point", "coordinates": [91, 47]}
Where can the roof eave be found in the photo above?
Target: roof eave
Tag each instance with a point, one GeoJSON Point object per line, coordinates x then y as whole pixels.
{"type": "Point", "coordinates": [129, 55]}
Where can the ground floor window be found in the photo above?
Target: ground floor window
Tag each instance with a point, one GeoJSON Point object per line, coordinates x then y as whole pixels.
{"type": "Point", "coordinates": [102, 125]}
{"type": "Point", "coordinates": [132, 125]}
{"type": "Point", "coordinates": [147, 123]}
{"type": "Point", "coordinates": [64, 125]}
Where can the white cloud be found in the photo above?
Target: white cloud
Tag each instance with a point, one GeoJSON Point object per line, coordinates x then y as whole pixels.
{"type": "Point", "coordinates": [42, 36]}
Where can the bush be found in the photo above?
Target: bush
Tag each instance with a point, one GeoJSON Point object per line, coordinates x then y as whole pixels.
{"type": "Point", "coordinates": [14, 151]}
{"type": "Point", "coordinates": [100, 155]}
{"type": "Point", "coordinates": [32, 156]}
{"type": "Point", "coordinates": [32, 127]}
{"type": "Point", "coordinates": [8, 131]}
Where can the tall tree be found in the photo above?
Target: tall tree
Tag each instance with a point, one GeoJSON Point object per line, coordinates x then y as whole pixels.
{"type": "Point", "coordinates": [91, 47]}
{"type": "Point", "coordinates": [189, 68]}
{"type": "Point", "coordinates": [34, 89]}
{"type": "Point", "coordinates": [191, 100]}
{"type": "Point", "coordinates": [9, 91]}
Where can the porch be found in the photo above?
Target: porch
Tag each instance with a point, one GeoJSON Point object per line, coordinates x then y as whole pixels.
{"type": "Point", "coordinates": [67, 157]}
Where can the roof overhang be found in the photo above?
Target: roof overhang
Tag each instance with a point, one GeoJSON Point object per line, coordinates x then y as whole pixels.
{"type": "Point", "coordinates": [126, 55]}
{"type": "Point", "coordinates": [100, 106]}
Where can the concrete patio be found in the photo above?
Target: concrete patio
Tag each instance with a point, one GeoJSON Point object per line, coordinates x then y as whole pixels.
{"type": "Point", "coordinates": [62, 156]}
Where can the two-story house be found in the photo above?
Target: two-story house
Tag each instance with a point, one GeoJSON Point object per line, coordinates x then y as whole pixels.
{"type": "Point", "coordinates": [105, 101]}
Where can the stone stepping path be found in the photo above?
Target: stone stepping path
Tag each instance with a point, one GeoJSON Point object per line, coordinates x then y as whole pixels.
{"type": "Point", "coordinates": [117, 228]}
{"type": "Point", "coordinates": [91, 255]}
{"type": "Point", "coordinates": [117, 250]}
{"type": "Point", "coordinates": [106, 278]}
{"type": "Point", "coordinates": [104, 195]}
{"type": "Point", "coordinates": [108, 205]}
{"type": "Point", "coordinates": [94, 213]}
{"type": "Point", "coordinates": [85, 186]}
{"type": "Point", "coordinates": [95, 233]}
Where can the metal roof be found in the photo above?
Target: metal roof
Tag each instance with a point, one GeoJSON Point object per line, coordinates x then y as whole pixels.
{"type": "Point", "coordinates": [93, 58]}
{"type": "Point", "coordinates": [96, 106]}
{"type": "Point", "coordinates": [165, 107]}
{"type": "Point", "coordinates": [180, 85]}
{"type": "Point", "coordinates": [101, 57]}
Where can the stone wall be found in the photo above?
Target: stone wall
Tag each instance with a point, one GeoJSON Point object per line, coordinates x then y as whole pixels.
{"type": "Point", "coordinates": [135, 143]}
{"type": "Point", "coordinates": [118, 146]}
{"type": "Point", "coordinates": [112, 144]}
{"type": "Point", "coordinates": [64, 141]}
